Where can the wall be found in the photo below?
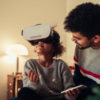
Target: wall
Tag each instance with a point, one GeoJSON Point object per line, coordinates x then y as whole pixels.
{"type": "Point", "coordinates": [14, 16]}
{"type": "Point", "coordinates": [71, 4]}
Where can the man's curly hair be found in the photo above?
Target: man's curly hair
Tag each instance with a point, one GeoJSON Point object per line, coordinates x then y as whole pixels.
{"type": "Point", "coordinates": [85, 18]}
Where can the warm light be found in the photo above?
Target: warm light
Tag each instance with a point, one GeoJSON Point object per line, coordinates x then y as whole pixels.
{"type": "Point", "coordinates": [17, 50]}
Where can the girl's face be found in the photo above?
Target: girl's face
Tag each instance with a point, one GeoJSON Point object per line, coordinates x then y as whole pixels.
{"type": "Point", "coordinates": [44, 48]}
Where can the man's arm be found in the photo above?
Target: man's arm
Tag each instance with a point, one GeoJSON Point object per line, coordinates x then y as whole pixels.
{"type": "Point", "coordinates": [80, 79]}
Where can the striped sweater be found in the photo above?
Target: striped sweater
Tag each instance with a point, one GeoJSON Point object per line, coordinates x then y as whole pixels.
{"type": "Point", "coordinates": [87, 66]}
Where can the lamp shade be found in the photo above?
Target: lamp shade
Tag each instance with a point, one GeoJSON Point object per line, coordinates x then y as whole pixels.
{"type": "Point", "coordinates": [17, 50]}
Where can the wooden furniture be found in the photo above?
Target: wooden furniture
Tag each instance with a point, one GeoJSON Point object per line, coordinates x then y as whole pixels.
{"type": "Point", "coordinates": [14, 84]}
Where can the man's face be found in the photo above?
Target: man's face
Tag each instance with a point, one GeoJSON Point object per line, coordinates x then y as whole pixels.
{"type": "Point", "coordinates": [81, 41]}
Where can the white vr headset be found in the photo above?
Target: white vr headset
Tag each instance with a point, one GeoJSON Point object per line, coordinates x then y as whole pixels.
{"type": "Point", "coordinates": [36, 32]}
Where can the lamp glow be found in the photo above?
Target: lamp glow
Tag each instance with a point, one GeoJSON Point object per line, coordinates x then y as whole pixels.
{"type": "Point", "coordinates": [17, 50]}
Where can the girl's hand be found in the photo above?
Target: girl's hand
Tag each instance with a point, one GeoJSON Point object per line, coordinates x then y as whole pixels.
{"type": "Point", "coordinates": [32, 75]}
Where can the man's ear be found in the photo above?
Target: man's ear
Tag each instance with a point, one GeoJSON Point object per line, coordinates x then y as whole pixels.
{"type": "Point", "coordinates": [96, 38]}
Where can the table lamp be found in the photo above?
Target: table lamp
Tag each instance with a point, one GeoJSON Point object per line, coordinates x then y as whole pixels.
{"type": "Point", "coordinates": [17, 50]}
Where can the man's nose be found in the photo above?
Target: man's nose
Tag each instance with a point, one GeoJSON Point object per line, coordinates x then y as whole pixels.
{"type": "Point", "coordinates": [73, 39]}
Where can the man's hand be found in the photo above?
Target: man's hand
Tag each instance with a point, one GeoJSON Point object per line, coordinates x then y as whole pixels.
{"type": "Point", "coordinates": [73, 93]}
{"type": "Point", "coordinates": [32, 75]}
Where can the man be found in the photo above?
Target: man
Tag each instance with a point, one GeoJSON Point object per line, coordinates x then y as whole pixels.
{"type": "Point", "coordinates": [84, 23]}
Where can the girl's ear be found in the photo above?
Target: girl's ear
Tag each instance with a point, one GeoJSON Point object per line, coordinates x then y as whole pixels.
{"type": "Point", "coordinates": [96, 38]}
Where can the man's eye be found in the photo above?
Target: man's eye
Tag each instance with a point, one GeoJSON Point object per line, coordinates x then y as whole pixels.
{"type": "Point", "coordinates": [78, 38]}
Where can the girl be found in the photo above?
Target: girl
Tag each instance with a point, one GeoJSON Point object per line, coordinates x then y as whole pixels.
{"type": "Point", "coordinates": [46, 75]}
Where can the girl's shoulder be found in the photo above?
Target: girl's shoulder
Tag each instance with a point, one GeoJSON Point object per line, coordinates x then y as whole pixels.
{"type": "Point", "coordinates": [31, 61]}
{"type": "Point", "coordinates": [61, 61]}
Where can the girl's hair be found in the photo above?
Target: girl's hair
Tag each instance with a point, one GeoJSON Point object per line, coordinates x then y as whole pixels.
{"type": "Point", "coordinates": [58, 47]}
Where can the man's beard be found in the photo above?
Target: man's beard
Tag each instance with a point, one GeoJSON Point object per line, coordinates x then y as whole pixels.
{"type": "Point", "coordinates": [85, 47]}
